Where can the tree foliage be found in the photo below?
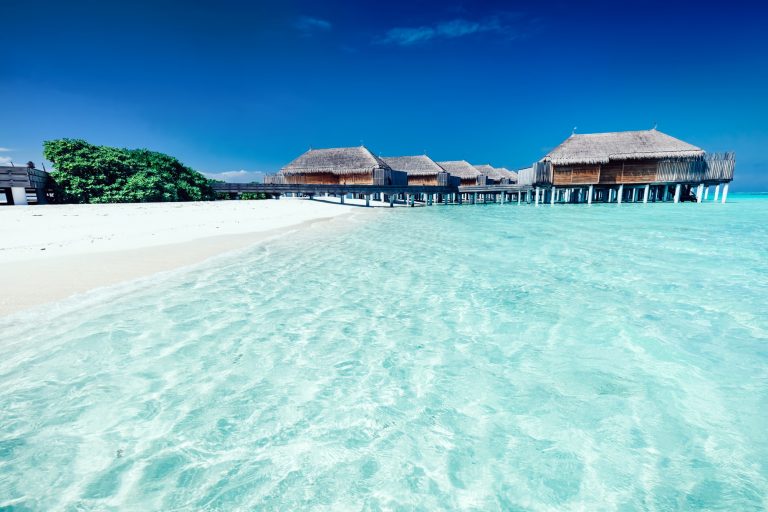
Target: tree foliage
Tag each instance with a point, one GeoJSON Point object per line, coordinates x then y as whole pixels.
{"type": "Point", "coordinates": [84, 173]}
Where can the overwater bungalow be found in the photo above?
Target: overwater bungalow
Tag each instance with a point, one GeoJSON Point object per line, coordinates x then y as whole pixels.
{"type": "Point", "coordinates": [341, 166]}
{"type": "Point", "coordinates": [509, 175]}
{"type": "Point", "coordinates": [645, 165]}
{"type": "Point", "coordinates": [491, 175]}
{"type": "Point", "coordinates": [421, 169]}
{"type": "Point", "coordinates": [463, 170]}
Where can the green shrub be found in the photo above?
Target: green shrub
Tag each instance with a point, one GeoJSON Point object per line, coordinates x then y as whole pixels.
{"type": "Point", "coordinates": [84, 173]}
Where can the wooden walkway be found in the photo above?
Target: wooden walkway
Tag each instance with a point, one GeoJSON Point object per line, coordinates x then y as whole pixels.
{"type": "Point", "coordinates": [17, 182]}
{"type": "Point", "coordinates": [474, 194]}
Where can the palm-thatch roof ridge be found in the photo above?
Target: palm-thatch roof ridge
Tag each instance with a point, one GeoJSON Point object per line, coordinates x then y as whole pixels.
{"type": "Point", "coordinates": [352, 160]}
{"type": "Point", "coordinates": [460, 168]}
{"type": "Point", "coordinates": [419, 165]}
{"type": "Point", "coordinates": [599, 148]}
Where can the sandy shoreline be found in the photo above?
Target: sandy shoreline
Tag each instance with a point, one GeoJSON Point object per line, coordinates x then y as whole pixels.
{"type": "Point", "coordinates": [53, 252]}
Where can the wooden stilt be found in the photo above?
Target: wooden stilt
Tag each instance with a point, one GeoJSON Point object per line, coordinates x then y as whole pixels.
{"type": "Point", "coordinates": [725, 192]}
{"type": "Point", "coordinates": [717, 192]}
{"type": "Point", "coordinates": [677, 193]}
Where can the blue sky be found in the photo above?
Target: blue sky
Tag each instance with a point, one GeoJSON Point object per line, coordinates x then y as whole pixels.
{"type": "Point", "coordinates": [241, 88]}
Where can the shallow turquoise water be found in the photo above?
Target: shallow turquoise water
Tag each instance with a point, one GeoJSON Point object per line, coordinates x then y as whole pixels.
{"type": "Point", "coordinates": [476, 358]}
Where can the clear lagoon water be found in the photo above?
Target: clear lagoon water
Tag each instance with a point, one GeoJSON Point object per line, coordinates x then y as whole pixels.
{"type": "Point", "coordinates": [467, 358]}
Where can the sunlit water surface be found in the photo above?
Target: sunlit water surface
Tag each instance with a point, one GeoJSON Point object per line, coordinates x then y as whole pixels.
{"type": "Point", "coordinates": [476, 358]}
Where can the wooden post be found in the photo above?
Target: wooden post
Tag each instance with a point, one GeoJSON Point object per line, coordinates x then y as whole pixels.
{"type": "Point", "coordinates": [725, 192]}
{"type": "Point", "coordinates": [589, 194]}
{"type": "Point", "coordinates": [699, 192]}
{"type": "Point", "coordinates": [677, 193]}
{"type": "Point", "coordinates": [391, 200]}
{"type": "Point", "coordinates": [367, 199]}
{"type": "Point", "coordinates": [553, 193]}
{"type": "Point", "coordinates": [620, 194]}
{"type": "Point", "coordinates": [634, 194]}
{"type": "Point", "coordinates": [717, 192]}
{"type": "Point", "coordinates": [645, 194]}
{"type": "Point", "coordinates": [706, 193]}
{"type": "Point", "coordinates": [342, 198]}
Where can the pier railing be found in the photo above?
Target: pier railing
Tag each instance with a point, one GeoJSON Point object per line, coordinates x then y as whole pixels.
{"type": "Point", "coordinates": [710, 167]}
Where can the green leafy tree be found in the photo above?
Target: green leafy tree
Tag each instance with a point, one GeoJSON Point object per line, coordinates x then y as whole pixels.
{"type": "Point", "coordinates": [85, 173]}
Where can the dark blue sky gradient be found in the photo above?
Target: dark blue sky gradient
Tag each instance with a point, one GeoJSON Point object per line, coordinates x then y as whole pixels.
{"type": "Point", "coordinates": [229, 86]}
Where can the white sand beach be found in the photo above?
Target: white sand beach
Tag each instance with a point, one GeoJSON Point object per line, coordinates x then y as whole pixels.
{"type": "Point", "coordinates": [54, 251]}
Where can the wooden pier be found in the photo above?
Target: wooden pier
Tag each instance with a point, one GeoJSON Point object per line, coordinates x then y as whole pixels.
{"type": "Point", "coordinates": [410, 194]}
{"type": "Point", "coordinates": [17, 184]}
{"type": "Point", "coordinates": [428, 194]}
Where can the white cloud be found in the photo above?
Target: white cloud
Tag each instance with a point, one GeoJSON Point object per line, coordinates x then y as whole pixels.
{"type": "Point", "coordinates": [309, 24]}
{"type": "Point", "coordinates": [5, 160]}
{"type": "Point", "coordinates": [241, 176]}
{"type": "Point", "coordinates": [406, 36]}
{"type": "Point", "coordinates": [5, 150]}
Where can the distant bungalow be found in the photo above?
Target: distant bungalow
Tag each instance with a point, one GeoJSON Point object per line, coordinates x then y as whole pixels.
{"type": "Point", "coordinates": [341, 166]}
{"type": "Point", "coordinates": [463, 170]}
{"type": "Point", "coordinates": [492, 175]}
{"type": "Point", "coordinates": [510, 175]}
{"type": "Point", "coordinates": [421, 169]}
{"type": "Point", "coordinates": [619, 166]}
{"type": "Point", "coordinates": [496, 175]}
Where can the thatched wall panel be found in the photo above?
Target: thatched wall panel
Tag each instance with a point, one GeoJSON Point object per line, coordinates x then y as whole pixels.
{"type": "Point", "coordinates": [315, 178]}
{"type": "Point", "coordinates": [577, 175]}
{"type": "Point", "coordinates": [423, 180]}
{"type": "Point", "coordinates": [639, 172]}
{"type": "Point", "coordinates": [611, 173]}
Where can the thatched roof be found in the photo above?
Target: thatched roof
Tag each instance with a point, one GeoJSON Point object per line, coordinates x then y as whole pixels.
{"type": "Point", "coordinates": [356, 160]}
{"type": "Point", "coordinates": [599, 148]}
{"type": "Point", "coordinates": [507, 173]}
{"type": "Point", "coordinates": [491, 172]}
{"type": "Point", "coordinates": [460, 168]}
{"type": "Point", "coordinates": [420, 165]}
